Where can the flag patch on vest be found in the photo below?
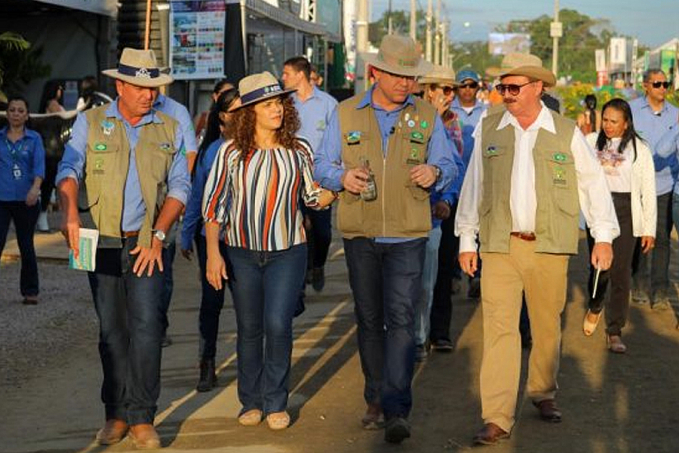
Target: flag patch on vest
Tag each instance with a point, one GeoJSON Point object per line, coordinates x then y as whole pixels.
{"type": "Point", "coordinates": [100, 147]}
{"type": "Point", "coordinates": [107, 127]}
{"type": "Point", "coordinates": [417, 137]}
{"type": "Point", "coordinates": [166, 146]}
{"type": "Point", "coordinates": [353, 137]}
{"type": "Point", "coordinates": [491, 151]}
{"type": "Point", "coordinates": [560, 157]}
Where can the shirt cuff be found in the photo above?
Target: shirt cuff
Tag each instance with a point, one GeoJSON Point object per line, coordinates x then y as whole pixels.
{"type": "Point", "coordinates": [66, 174]}
{"type": "Point", "coordinates": [178, 195]}
{"type": "Point", "coordinates": [603, 236]}
{"type": "Point", "coordinates": [467, 243]}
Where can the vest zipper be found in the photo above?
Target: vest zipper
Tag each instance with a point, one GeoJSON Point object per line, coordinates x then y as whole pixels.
{"type": "Point", "coordinates": [384, 177]}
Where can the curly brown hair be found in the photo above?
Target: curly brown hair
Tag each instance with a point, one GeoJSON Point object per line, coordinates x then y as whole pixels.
{"type": "Point", "coordinates": [242, 128]}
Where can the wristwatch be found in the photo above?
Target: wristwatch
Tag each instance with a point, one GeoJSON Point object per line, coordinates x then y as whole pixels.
{"type": "Point", "coordinates": [160, 235]}
{"type": "Point", "coordinates": [438, 172]}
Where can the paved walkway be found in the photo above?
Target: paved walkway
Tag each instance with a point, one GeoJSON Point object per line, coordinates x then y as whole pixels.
{"type": "Point", "coordinates": [624, 404]}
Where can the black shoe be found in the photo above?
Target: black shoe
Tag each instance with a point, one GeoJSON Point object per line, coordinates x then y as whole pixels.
{"type": "Point", "coordinates": [308, 278]}
{"type": "Point", "coordinates": [318, 278]}
{"type": "Point", "coordinates": [421, 353]}
{"type": "Point", "coordinates": [474, 291]}
{"type": "Point", "coordinates": [396, 430]}
{"type": "Point", "coordinates": [208, 377]}
{"type": "Point", "coordinates": [166, 341]}
{"type": "Point", "coordinates": [442, 345]}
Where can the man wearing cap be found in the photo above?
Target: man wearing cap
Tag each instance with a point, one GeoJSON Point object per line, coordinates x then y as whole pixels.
{"type": "Point", "coordinates": [384, 150]}
{"type": "Point", "coordinates": [314, 107]}
{"type": "Point", "coordinates": [654, 117]}
{"type": "Point", "coordinates": [122, 174]}
{"type": "Point", "coordinates": [530, 174]}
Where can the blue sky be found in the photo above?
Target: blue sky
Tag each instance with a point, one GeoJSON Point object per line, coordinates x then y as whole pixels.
{"type": "Point", "coordinates": [652, 22]}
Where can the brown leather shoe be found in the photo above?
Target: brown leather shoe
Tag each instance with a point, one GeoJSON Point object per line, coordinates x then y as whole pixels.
{"type": "Point", "coordinates": [373, 418]}
{"type": "Point", "coordinates": [490, 434]}
{"type": "Point", "coordinates": [548, 410]}
{"type": "Point", "coordinates": [113, 432]}
{"type": "Point", "coordinates": [144, 436]}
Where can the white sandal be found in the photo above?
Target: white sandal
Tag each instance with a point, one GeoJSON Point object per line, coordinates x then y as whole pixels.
{"type": "Point", "coordinates": [615, 344]}
{"type": "Point", "coordinates": [588, 327]}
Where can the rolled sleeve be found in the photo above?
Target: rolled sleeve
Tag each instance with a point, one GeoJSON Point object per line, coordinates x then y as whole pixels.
{"type": "Point", "coordinates": [73, 161]}
{"type": "Point", "coordinates": [328, 168]}
{"type": "Point", "coordinates": [178, 180]}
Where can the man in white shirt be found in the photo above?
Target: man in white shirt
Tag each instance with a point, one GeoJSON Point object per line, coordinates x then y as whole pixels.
{"type": "Point", "coordinates": [530, 173]}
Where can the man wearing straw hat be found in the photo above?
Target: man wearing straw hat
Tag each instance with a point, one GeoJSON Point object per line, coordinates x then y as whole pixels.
{"type": "Point", "coordinates": [384, 150]}
{"type": "Point", "coordinates": [122, 173]}
{"type": "Point", "coordinates": [530, 174]}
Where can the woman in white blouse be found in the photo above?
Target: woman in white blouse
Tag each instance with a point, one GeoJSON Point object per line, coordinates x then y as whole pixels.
{"type": "Point", "coordinates": [630, 174]}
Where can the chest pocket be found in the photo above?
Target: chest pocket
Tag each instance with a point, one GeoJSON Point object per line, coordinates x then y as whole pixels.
{"type": "Point", "coordinates": [414, 148]}
{"type": "Point", "coordinates": [103, 159]}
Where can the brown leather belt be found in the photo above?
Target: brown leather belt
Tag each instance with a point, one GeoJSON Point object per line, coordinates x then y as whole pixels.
{"type": "Point", "coordinates": [524, 236]}
{"type": "Point", "coordinates": [130, 234]}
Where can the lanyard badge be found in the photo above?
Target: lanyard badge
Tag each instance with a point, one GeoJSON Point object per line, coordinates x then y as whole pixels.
{"type": "Point", "coordinates": [14, 151]}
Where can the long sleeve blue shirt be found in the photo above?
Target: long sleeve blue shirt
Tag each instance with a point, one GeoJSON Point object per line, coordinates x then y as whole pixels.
{"type": "Point", "coordinates": [28, 153]}
{"type": "Point", "coordinates": [134, 209]}
{"type": "Point", "coordinates": [193, 216]}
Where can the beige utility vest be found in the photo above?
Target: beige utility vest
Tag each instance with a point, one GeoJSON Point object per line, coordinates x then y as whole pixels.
{"type": "Point", "coordinates": [556, 187]}
{"type": "Point", "coordinates": [106, 166]}
{"type": "Point", "coordinates": [402, 207]}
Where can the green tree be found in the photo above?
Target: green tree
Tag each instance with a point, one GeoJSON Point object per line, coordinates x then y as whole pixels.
{"type": "Point", "coordinates": [473, 55]}
{"type": "Point", "coordinates": [19, 63]}
{"type": "Point", "coordinates": [400, 23]}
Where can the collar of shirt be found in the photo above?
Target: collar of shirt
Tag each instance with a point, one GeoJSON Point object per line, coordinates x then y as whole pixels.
{"type": "Point", "coordinates": [28, 133]}
{"type": "Point", "coordinates": [646, 105]}
{"type": "Point", "coordinates": [299, 100]}
{"type": "Point", "coordinates": [544, 121]}
{"type": "Point", "coordinates": [456, 104]}
{"type": "Point", "coordinates": [368, 100]}
{"type": "Point", "coordinates": [150, 117]}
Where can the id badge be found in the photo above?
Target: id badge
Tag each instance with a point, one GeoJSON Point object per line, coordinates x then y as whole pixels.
{"type": "Point", "coordinates": [16, 171]}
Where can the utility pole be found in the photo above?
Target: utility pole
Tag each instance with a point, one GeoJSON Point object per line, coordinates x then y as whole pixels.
{"type": "Point", "coordinates": [556, 31]}
{"type": "Point", "coordinates": [437, 34]}
{"type": "Point", "coordinates": [362, 26]}
{"type": "Point", "coordinates": [429, 19]}
{"type": "Point", "coordinates": [413, 19]}
{"type": "Point", "coordinates": [444, 43]}
{"type": "Point", "coordinates": [390, 28]}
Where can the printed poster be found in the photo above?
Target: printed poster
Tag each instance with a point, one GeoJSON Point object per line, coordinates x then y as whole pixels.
{"type": "Point", "coordinates": [197, 38]}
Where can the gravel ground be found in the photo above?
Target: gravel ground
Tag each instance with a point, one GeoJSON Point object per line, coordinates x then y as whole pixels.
{"type": "Point", "coordinates": [35, 337]}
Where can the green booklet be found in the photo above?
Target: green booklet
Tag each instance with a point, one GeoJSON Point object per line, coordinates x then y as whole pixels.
{"type": "Point", "coordinates": [87, 256]}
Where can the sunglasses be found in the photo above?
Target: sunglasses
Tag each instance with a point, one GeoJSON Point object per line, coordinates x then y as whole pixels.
{"type": "Point", "coordinates": [446, 89]}
{"type": "Point", "coordinates": [511, 88]}
{"type": "Point", "coordinates": [399, 76]}
{"type": "Point", "coordinates": [659, 84]}
{"type": "Point", "coordinates": [471, 86]}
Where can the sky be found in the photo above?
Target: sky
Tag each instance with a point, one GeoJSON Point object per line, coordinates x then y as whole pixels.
{"type": "Point", "coordinates": [652, 22]}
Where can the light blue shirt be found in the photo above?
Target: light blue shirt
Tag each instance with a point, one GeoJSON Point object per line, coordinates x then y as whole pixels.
{"type": "Point", "coordinates": [28, 153]}
{"type": "Point", "coordinates": [177, 111]}
{"type": "Point", "coordinates": [468, 122]}
{"type": "Point", "coordinates": [314, 115]}
{"type": "Point", "coordinates": [134, 209]}
{"type": "Point", "coordinates": [328, 166]}
{"type": "Point", "coordinates": [193, 215]}
{"type": "Point", "coordinates": [651, 127]}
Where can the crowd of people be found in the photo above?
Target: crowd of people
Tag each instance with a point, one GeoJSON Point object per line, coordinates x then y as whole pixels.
{"type": "Point", "coordinates": [427, 181]}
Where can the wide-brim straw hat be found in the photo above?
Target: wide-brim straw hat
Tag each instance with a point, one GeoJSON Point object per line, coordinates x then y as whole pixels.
{"type": "Point", "coordinates": [139, 67]}
{"type": "Point", "coordinates": [399, 55]}
{"type": "Point", "coordinates": [523, 64]}
{"type": "Point", "coordinates": [258, 87]}
{"type": "Point", "coordinates": [440, 75]}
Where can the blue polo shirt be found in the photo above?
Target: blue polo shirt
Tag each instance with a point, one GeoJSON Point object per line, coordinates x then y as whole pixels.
{"type": "Point", "coordinates": [177, 111]}
{"type": "Point", "coordinates": [134, 209]}
{"type": "Point", "coordinates": [468, 122]}
{"type": "Point", "coordinates": [314, 115]}
{"type": "Point", "coordinates": [328, 167]}
{"type": "Point", "coordinates": [29, 154]}
{"type": "Point", "coordinates": [193, 215]}
{"type": "Point", "coordinates": [652, 126]}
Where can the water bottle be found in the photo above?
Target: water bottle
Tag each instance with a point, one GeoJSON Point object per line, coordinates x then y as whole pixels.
{"type": "Point", "coordinates": [370, 192]}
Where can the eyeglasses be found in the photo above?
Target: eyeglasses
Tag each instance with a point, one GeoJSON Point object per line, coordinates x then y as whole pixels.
{"type": "Point", "coordinates": [446, 89]}
{"type": "Point", "coordinates": [399, 76]}
{"type": "Point", "coordinates": [659, 84]}
{"type": "Point", "coordinates": [511, 88]}
{"type": "Point", "coordinates": [471, 86]}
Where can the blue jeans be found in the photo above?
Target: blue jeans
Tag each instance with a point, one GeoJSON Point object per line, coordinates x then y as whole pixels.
{"type": "Point", "coordinates": [25, 218]}
{"type": "Point", "coordinates": [386, 281]}
{"type": "Point", "coordinates": [429, 273]}
{"type": "Point", "coordinates": [660, 255]}
{"type": "Point", "coordinates": [169, 253]}
{"type": "Point", "coordinates": [265, 289]}
{"type": "Point", "coordinates": [130, 331]}
{"type": "Point", "coordinates": [211, 303]}
{"type": "Point", "coordinates": [319, 236]}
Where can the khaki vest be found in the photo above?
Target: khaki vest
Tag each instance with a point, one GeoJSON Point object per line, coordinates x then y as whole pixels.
{"type": "Point", "coordinates": [401, 208]}
{"type": "Point", "coordinates": [556, 187]}
{"type": "Point", "coordinates": [106, 166]}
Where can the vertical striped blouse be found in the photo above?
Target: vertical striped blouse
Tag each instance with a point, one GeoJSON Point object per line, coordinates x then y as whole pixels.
{"type": "Point", "coordinates": [258, 198]}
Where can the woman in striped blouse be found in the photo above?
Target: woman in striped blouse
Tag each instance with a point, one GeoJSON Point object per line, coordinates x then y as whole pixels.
{"type": "Point", "coordinates": [255, 188]}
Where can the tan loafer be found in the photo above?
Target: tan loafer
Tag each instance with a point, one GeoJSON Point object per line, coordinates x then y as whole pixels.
{"type": "Point", "coordinates": [278, 420]}
{"type": "Point", "coordinates": [144, 436]}
{"type": "Point", "coordinates": [253, 417]}
{"type": "Point", "coordinates": [113, 432]}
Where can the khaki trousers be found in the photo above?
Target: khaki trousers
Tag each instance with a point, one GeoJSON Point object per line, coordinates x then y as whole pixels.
{"type": "Point", "coordinates": [505, 276]}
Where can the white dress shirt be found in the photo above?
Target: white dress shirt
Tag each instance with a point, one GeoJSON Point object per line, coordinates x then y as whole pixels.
{"type": "Point", "coordinates": [597, 209]}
